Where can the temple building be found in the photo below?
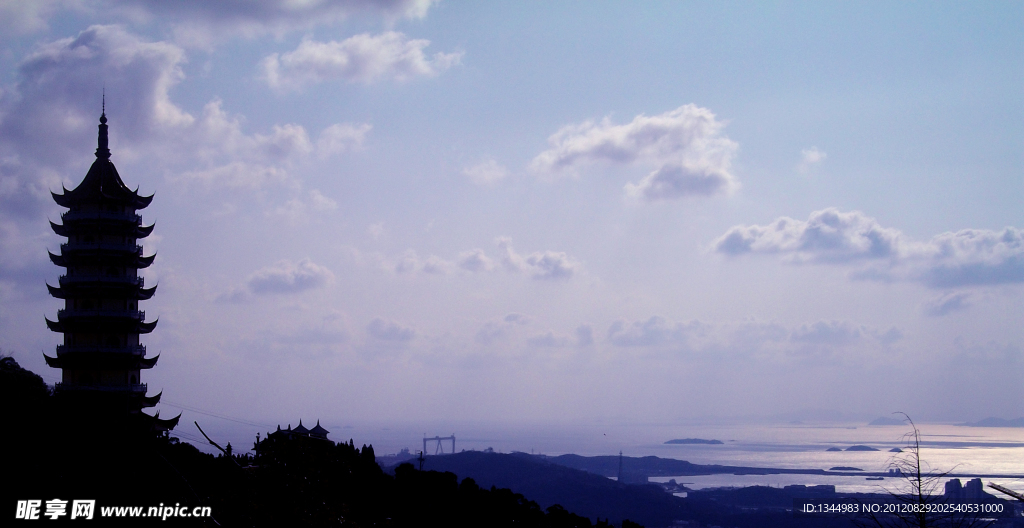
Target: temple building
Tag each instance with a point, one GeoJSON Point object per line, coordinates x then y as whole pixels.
{"type": "Point", "coordinates": [102, 358]}
{"type": "Point", "coordinates": [317, 432]}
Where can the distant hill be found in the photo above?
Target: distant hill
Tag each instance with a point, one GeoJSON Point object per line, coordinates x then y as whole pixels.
{"type": "Point", "coordinates": [861, 448]}
{"type": "Point", "coordinates": [693, 441]}
{"type": "Point", "coordinates": [996, 422]}
{"type": "Point", "coordinates": [546, 483]}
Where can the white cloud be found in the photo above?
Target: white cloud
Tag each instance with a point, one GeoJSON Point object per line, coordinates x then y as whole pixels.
{"type": "Point", "coordinates": [341, 137]}
{"type": "Point", "coordinates": [198, 23]}
{"type": "Point", "coordinates": [828, 235]}
{"type": "Point", "coordinates": [289, 277]}
{"type": "Point", "coordinates": [49, 119]}
{"type": "Point", "coordinates": [389, 331]}
{"type": "Point", "coordinates": [516, 318]}
{"type": "Point", "coordinates": [486, 173]}
{"type": "Point", "coordinates": [966, 257]}
{"type": "Point", "coordinates": [410, 262]}
{"type": "Point", "coordinates": [547, 340]}
{"type": "Point", "coordinates": [948, 303]}
{"type": "Point", "coordinates": [232, 158]}
{"type": "Point", "coordinates": [972, 257]}
{"type": "Point", "coordinates": [438, 266]}
{"type": "Point", "coordinates": [48, 126]}
{"type": "Point", "coordinates": [686, 146]}
{"type": "Point", "coordinates": [475, 260]}
{"type": "Point", "coordinates": [362, 58]}
{"type": "Point", "coordinates": [652, 332]}
{"type": "Point", "coordinates": [22, 17]}
{"type": "Point", "coordinates": [300, 209]}
{"type": "Point", "coordinates": [541, 265]}
{"type": "Point", "coordinates": [810, 158]}
{"type": "Point", "coordinates": [675, 181]}
{"type": "Point", "coordinates": [495, 331]}
{"type": "Point", "coordinates": [547, 265]}
{"type": "Point", "coordinates": [407, 263]}
{"type": "Point", "coordinates": [827, 333]}
{"type": "Point", "coordinates": [750, 338]}
{"type": "Point", "coordinates": [284, 277]}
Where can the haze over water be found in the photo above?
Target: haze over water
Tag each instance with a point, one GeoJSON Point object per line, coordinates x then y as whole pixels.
{"type": "Point", "coordinates": [957, 449]}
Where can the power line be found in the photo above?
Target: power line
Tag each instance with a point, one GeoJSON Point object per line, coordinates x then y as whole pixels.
{"type": "Point", "coordinates": [215, 415]}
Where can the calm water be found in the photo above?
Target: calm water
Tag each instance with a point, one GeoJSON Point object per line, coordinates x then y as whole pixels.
{"type": "Point", "coordinates": [964, 450]}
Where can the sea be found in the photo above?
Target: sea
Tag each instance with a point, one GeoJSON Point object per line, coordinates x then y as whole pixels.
{"type": "Point", "coordinates": [995, 454]}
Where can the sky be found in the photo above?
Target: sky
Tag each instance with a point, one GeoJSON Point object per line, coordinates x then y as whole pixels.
{"type": "Point", "coordinates": [556, 212]}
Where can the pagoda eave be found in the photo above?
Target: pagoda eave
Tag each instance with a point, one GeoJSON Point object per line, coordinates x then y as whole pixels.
{"type": "Point", "coordinates": [55, 326]}
{"type": "Point", "coordinates": [61, 230]}
{"type": "Point", "coordinates": [63, 200]}
{"type": "Point", "coordinates": [151, 401]}
{"type": "Point", "coordinates": [101, 360]}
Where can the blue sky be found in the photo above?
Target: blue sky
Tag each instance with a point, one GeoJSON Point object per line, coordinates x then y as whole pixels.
{"type": "Point", "coordinates": [533, 211]}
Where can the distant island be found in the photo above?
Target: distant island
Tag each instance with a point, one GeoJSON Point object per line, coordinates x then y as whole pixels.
{"type": "Point", "coordinates": [996, 422]}
{"type": "Point", "coordinates": [861, 448]}
{"type": "Point", "coordinates": [833, 449]}
{"type": "Point", "coordinates": [693, 441]}
{"type": "Point", "coordinates": [844, 468]}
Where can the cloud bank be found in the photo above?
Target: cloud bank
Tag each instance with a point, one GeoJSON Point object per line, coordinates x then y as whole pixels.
{"type": "Point", "coordinates": [749, 338]}
{"type": "Point", "coordinates": [686, 146]}
{"type": "Point", "coordinates": [283, 278]}
{"type": "Point", "coordinates": [199, 23]}
{"type": "Point", "coordinates": [48, 129]}
{"type": "Point", "coordinates": [362, 58]}
{"type": "Point", "coordinates": [389, 331]}
{"type": "Point", "coordinates": [968, 257]}
{"type": "Point", "coordinates": [539, 265]}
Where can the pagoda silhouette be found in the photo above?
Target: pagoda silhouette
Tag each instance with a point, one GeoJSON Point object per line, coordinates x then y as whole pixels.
{"type": "Point", "coordinates": [102, 359]}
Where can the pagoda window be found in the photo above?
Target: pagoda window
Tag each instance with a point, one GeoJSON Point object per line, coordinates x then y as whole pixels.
{"type": "Point", "coordinates": [88, 238]}
{"type": "Point", "coordinates": [134, 380]}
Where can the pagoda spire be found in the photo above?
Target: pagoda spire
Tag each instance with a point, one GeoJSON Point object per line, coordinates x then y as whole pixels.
{"type": "Point", "coordinates": [102, 150]}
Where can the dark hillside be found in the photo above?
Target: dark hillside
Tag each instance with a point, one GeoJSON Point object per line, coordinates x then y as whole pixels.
{"type": "Point", "coordinates": [548, 484]}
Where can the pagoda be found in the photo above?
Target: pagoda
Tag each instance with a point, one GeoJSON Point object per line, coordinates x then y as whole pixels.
{"type": "Point", "coordinates": [102, 359]}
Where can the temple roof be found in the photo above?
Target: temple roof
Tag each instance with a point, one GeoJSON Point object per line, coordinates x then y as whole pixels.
{"type": "Point", "coordinates": [318, 431]}
{"type": "Point", "coordinates": [102, 183]}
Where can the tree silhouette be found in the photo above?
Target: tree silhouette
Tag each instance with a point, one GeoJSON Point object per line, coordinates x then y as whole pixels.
{"type": "Point", "coordinates": [916, 495]}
